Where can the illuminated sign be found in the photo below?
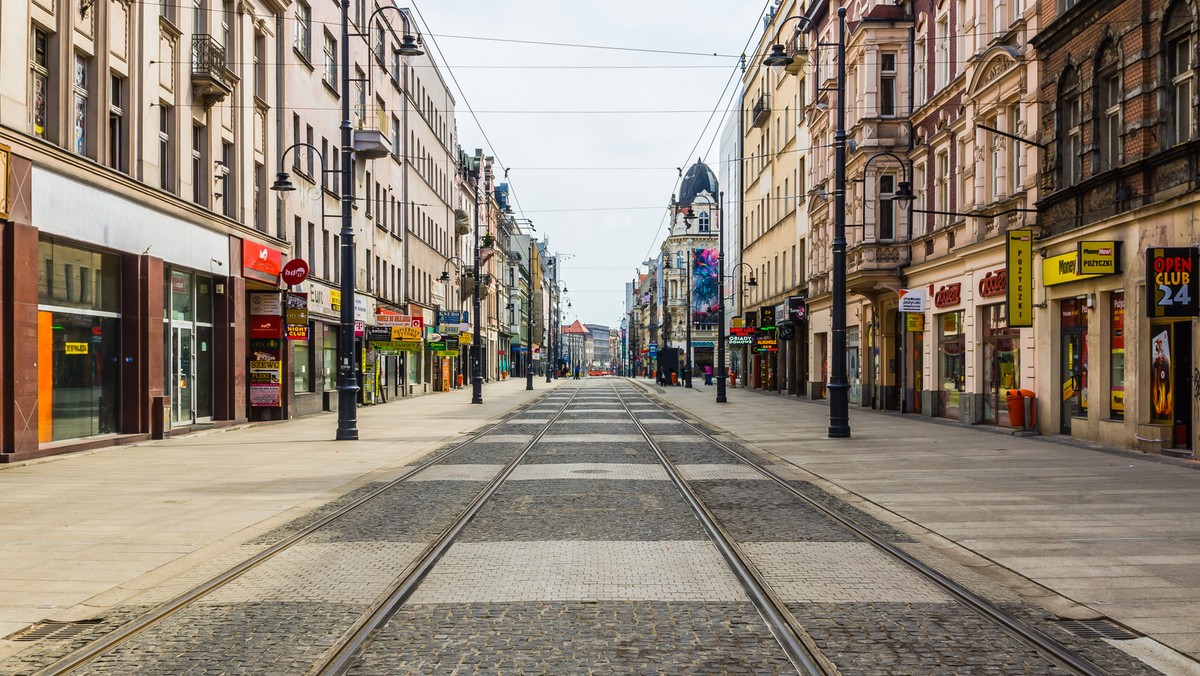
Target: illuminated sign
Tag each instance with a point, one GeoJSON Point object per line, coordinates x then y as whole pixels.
{"type": "Point", "coordinates": [1172, 289]}
{"type": "Point", "coordinates": [76, 348]}
{"type": "Point", "coordinates": [766, 317]}
{"type": "Point", "coordinates": [261, 261]}
{"type": "Point", "coordinates": [741, 340]}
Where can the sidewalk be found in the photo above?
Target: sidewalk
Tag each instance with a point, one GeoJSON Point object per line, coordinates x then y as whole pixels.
{"type": "Point", "coordinates": [1114, 531]}
{"type": "Point", "coordinates": [87, 531]}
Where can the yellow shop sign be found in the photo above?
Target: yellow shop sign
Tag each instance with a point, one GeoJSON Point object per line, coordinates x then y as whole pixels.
{"type": "Point", "coordinates": [1099, 258]}
{"type": "Point", "coordinates": [1062, 269]}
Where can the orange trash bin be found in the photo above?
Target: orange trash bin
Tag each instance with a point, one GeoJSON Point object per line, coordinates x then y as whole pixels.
{"type": "Point", "coordinates": [1016, 408]}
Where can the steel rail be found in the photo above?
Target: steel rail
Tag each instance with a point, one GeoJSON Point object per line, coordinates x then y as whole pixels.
{"type": "Point", "coordinates": [1047, 646]}
{"type": "Point", "coordinates": [339, 658]}
{"type": "Point", "coordinates": [801, 650]}
{"type": "Point", "coordinates": [88, 653]}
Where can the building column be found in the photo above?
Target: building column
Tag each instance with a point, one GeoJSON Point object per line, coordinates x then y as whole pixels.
{"type": "Point", "coordinates": [19, 413]}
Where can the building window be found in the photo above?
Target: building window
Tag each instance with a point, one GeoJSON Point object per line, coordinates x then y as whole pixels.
{"type": "Point", "coordinates": [942, 56]}
{"type": "Point", "coordinates": [228, 181]}
{"type": "Point", "coordinates": [1070, 144]}
{"type": "Point", "coordinates": [166, 148]}
{"type": "Point", "coordinates": [324, 254]}
{"type": "Point", "coordinates": [396, 137]}
{"type": "Point", "coordinates": [302, 42]}
{"type": "Point", "coordinates": [887, 208]}
{"type": "Point", "coordinates": [1014, 149]}
{"type": "Point", "coordinates": [80, 89]}
{"type": "Point", "coordinates": [227, 31]}
{"type": "Point", "coordinates": [941, 188]}
{"type": "Point", "coordinates": [920, 79]}
{"type": "Point", "coordinates": [39, 67]}
{"type": "Point", "coordinates": [198, 16]}
{"type": "Point", "coordinates": [705, 224]}
{"type": "Point", "coordinates": [887, 84]}
{"type": "Point", "coordinates": [260, 200]}
{"type": "Point", "coordinates": [330, 72]}
{"type": "Point", "coordinates": [380, 43]}
{"type": "Point", "coordinates": [367, 190]}
{"type": "Point", "coordinates": [1179, 69]}
{"type": "Point", "coordinates": [312, 244]}
{"type": "Point", "coordinates": [260, 67]}
{"type": "Point", "coordinates": [116, 124]}
{"type": "Point", "coordinates": [336, 166]}
{"type": "Point", "coordinates": [995, 160]}
{"type": "Point", "coordinates": [1109, 109]}
{"type": "Point", "coordinates": [199, 178]}
{"type": "Point", "coordinates": [360, 98]}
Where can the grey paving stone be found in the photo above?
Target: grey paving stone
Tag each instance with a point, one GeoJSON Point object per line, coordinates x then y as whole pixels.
{"type": "Point", "coordinates": [576, 638]}
{"type": "Point", "coordinates": [411, 512]}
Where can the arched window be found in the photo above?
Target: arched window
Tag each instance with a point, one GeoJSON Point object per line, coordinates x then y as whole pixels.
{"type": "Point", "coordinates": [1178, 45]}
{"type": "Point", "coordinates": [1108, 108]}
{"type": "Point", "coordinates": [1070, 144]}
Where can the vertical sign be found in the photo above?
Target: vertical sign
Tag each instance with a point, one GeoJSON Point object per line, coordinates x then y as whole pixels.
{"type": "Point", "coordinates": [1019, 255]}
{"type": "Point", "coordinates": [1172, 288]}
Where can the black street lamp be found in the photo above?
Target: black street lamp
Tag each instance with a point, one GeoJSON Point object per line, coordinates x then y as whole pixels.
{"type": "Point", "coordinates": [839, 385]}
{"type": "Point", "coordinates": [476, 339]}
{"type": "Point", "coordinates": [347, 386]}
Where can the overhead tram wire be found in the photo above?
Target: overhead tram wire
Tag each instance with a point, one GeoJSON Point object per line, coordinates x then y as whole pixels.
{"type": "Point", "coordinates": [732, 75]}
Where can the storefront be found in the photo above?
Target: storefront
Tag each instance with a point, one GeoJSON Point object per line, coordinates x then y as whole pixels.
{"type": "Point", "coordinates": [79, 342]}
{"type": "Point", "coordinates": [188, 345]}
{"type": "Point", "coordinates": [1001, 363]}
{"type": "Point", "coordinates": [267, 353]}
{"type": "Point", "coordinates": [1172, 300]}
{"type": "Point", "coordinates": [952, 364]}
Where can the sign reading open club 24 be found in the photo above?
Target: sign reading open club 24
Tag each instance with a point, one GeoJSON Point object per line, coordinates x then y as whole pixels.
{"type": "Point", "coordinates": [1172, 288]}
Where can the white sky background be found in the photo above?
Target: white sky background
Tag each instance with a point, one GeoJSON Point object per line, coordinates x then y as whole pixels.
{"type": "Point", "coordinates": [561, 165]}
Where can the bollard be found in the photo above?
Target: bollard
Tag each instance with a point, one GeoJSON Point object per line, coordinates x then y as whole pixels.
{"type": "Point", "coordinates": [1028, 423]}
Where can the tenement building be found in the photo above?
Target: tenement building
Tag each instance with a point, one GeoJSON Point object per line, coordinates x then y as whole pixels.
{"type": "Point", "coordinates": [135, 141]}
{"type": "Point", "coordinates": [1117, 222]}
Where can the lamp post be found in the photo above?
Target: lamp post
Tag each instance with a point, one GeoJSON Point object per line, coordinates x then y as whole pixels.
{"type": "Point", "coordinates": [550, 342]}
{"type": "Point", "coordinates": [347, 381]}
{"type": "Point", "coordinates": [839, 385]}
{"type": "Point", "coordinates": [476, 339]}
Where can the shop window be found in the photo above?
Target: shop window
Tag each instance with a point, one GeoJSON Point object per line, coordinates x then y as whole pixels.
{"type": "Point", "coordinates": [329, 356]}
{"type": "Point", "coordinates": [951, 350]}
{"type": "Point", "coordinates": [1116, 349]}
{"type": "Point", "coordinates": [1074, 360]}
{"type": "Point", "coordinates": [302, 365]}
{"type": "Point", "coordinates": [80, 89]}
{"type": "Point", "coordinates": [79, 394]}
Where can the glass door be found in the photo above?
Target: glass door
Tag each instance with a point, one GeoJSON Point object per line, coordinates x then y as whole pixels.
{"type": "Point", "coordinates": [204, 372]}
{"type": "Point", "coordinates": [182, 386]}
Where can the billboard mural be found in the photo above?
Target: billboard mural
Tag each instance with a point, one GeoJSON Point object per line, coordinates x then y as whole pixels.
{"type": "Point", "coordinates": [706, 296]}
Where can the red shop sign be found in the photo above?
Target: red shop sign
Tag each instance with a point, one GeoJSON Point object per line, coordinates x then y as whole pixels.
{"type": "Point", "coordinates": [261, 261]}
{"type": "Point", "coordinates": [994, 283]}
{"type": "Point", "coordinates": [266, 327]}
{"type": "Point", "coordinates": [295, 272]}
{"type": "Point", "coordinates": [949, 294]}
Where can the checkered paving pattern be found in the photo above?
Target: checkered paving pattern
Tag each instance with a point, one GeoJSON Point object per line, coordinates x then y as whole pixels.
{"type": "Point", "coordinates": [504, 439]}
{"type": "Point", "coordinates": [344, 572]}
{"type": "Point", "coordinates": [457, 473]}
{"type": "Point", "coordinates": [838, 572]}
{"type": "Point", "coordinates": [717, 472]}
{"type": "Point", "coordinates": [511, 572]}
{"type": "Point", "coordinates": [620, 471]}
{"type": "Point", "coordinates": [592, 438]}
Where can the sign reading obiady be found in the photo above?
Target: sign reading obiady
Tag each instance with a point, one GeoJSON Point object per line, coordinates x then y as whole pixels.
{"type": "Point", "coordinates": [1019, 254]}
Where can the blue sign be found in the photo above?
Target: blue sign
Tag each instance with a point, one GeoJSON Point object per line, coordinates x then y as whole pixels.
{"type": "Point", "coordinates": [703, 343]}
{"type": "Point", "coordinates": [452, 317]}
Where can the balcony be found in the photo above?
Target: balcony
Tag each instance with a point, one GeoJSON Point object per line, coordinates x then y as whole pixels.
{"type": "Point", "coordinates": [795, 49]}
{"type": "Point", "coordinates": [371, 142]}
{"type": "Point", "coordinates": [210, 77]}
{"type": "Point", "coordinates": [761, 112]}
{"type": "Point", "coordinates": [873, 266]}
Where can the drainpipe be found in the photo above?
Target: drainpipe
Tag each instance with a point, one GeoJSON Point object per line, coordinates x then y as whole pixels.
{"type": "Point", "coordinates": [279, 40]}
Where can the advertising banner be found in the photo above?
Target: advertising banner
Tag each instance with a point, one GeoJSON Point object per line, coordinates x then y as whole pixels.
{"type": "Point", "coordinates": [1019, 285]}
{"type": "Point", "coordinates": [260, 261]}
{"type": "Point", "coordinates": [912, 300]}
{"type": "Point", "coordinates": [394, 347]}
{"type": "Point", "coordinates": [296, 315]}
{"type": "Point", "coordinates": [1062, 269]}
{"type": "Point", "coordinates": [266, 327]}
{"type": "Point", "coordinates": [266, 372]}
{"type": "Point", "coordinates": [1171, 283]}
{"type": "Point", "coordinates": [1099, 258]}
{"type": "Point", "coordinates": [706, 293]}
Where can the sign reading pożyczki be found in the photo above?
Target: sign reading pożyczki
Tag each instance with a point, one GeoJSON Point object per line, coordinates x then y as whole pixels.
{"type": "Point", "coordinates": [1019, 285]}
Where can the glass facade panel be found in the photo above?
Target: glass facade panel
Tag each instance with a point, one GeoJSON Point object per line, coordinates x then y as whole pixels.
{"type": "Point", "coordinates": [301, 365]}
{"type": "Point", "coordinates": [329, 355]}
{"type": "Point", "coordinates": [69, 277]}
{"type": "Point", "coordinates": [952, 356]}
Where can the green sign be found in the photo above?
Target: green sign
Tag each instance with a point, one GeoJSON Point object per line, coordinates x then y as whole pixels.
{"type": "Point", "coordinates": [396, 346]}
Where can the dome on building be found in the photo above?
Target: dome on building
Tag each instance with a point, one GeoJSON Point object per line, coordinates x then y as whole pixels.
{"type": "Point", "coordinates": [699, 178]}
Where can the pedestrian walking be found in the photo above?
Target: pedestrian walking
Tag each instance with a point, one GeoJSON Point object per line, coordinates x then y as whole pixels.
{"type": "Point", "coordinates": [708, 374]}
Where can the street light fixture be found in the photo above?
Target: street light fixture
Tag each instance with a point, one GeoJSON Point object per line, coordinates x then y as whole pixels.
{"type": "Point", "coordinates": [839, 385]}
{"type": "Point", "coordinates": [347, 386]}
{"type": "Point", "coordinates": [347, 381]}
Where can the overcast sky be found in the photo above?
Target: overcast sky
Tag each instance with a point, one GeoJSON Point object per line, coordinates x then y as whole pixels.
{"type": "Point", "coordinates": [591, 154]}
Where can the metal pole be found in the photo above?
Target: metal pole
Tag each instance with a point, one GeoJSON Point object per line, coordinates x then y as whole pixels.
{"type": "Point", "coordinates": [347, 429]}
{"type": "Point", "coordinates": [839, 386]}
{"type": "Point", "coordinates": [477, 340]}
{"type": "Point", "coordinates": [721, 375]}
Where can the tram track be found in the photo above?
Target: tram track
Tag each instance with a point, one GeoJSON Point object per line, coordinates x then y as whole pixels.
{"type": "Point", "coordinates": [1053, 650]}
{"type": "Point", "coordinates": [88, 654]}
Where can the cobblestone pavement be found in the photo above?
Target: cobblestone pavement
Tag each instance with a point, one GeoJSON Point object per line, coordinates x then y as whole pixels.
{"type": "Point", "coordinates": [587, 559]}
